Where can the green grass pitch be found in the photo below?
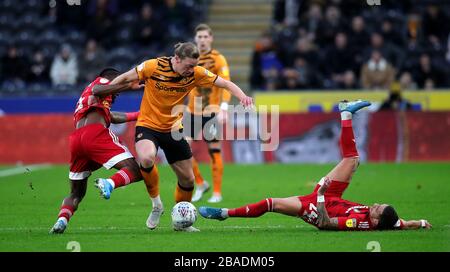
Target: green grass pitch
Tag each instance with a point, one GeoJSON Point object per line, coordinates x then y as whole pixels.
{"type": "Point", "coordinates": [29, 203]}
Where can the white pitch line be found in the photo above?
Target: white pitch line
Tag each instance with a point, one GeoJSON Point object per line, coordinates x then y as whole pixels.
{"type": "Point", "coordinates": [23, 169]}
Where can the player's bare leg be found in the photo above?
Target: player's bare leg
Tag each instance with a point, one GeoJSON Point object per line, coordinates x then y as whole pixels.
{"type": "Point", "coordinates": [214, 149]}
{"type": "Point", "coordinates": [70, 205]}
{"type": "Point", "coordinates": [128, 173]}
{"type": "Point", "coordinates": [185, 185]}
{"type": "Point", "coordinates": [146, 152]}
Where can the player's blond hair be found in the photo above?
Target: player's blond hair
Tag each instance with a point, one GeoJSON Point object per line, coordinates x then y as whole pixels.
{"type": "Point", "coordinates": [202, 27]}
{"type": "Point", "coordinates": [186, 50]}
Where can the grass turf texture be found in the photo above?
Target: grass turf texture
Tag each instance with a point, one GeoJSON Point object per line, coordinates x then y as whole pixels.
{"type": "Point", "coordinates": [29, 204]}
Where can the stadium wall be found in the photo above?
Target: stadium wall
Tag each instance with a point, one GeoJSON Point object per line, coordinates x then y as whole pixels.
{"type": "Point", "coordinates": [303, 138]}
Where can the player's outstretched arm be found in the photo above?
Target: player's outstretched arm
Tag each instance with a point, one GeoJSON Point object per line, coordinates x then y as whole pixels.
{"type": "Point", "coordinates": [125, 81]}
{"type": "Point", "coordinates": [323, 220]}
{"type": "Point", "coordinates": [245, 100]}
{"type": "Point", "coordinates": [123, 117]}
{"type": "Point", "coordinates": [415, 224]}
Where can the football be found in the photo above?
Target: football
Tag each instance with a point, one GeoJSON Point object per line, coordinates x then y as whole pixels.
{"type": "Point", "coordinates": [184, 215]}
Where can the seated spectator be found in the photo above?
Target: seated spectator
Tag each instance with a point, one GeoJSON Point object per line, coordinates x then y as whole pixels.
{"type": "Point", "coordinates": [389, 51]}
{"type": "Point", "coordinates": [427, 70]}
{"type": "Point", "coordinates": [92, 60]}
{"type": "Point", "coordinates": [407, 82]}
{"type": "Point", "coordinates": [339, 59]}
{"type": "Point", "coordinates": [395, 101]}
{"type": "Point", "coordinates": [391, 34]}
{"type": "Point", "coordinates": [149, 28]}
{"type": "Point", "coordinates": [64, 69]}
{"type": "Point", "coordinates": [300, 76]}
{"type": "Point", "coordinates": [39, 71]}
{"type": "Point", "coordinates": [377, 73]}
{"type": "Point", "coordinates": [435, 24]}
{"type": "Point", "coordinates": [13, 66]}
{"type": "Point", "coordinates": [332, 24]}
{"type": "Point", "coordinates": [358, 40]}
{"type": "Point", "coordinates": [349, 81]}
{"type": "Point", "coordinates": [266, 65]}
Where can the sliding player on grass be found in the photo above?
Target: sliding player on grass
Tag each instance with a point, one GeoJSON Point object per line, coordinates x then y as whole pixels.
{"type": "Point", "coordinates": [93, 145]}
{"type": "Point", "coordinates": [324, 208]}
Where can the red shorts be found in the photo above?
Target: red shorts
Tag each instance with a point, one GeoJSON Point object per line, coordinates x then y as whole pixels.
{"type": "Point", "coordinates": [336, 189]}
{"type": "Point", "coordinates": [92, 147]}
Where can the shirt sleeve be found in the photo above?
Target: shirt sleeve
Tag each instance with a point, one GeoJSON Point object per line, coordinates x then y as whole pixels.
{"type": "Point", "coordinates": [224, 72]}
{"type": "Point", "coordinates": [203, 77]}
{"type": "Point", "coordinates": [145, 69]}
{"type": "Point", "coordinates": [352, 223]}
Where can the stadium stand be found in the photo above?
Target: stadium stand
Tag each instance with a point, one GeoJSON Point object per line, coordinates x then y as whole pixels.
{"type": "Point", "coordinates": [349, 44]}
{"type": "Point", "coordinates": [96, 33]}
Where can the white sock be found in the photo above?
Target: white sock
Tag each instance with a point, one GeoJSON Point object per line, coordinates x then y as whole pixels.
{"type": "Point", "coordinates": [110, 181]}
{"type": "Point", "coordinates": [156, 201]}
{"type": "Point", "coordinates": [63, 219]}
{"type": "Point", "coordinates": [346, 115]}
{"type": "Point", "coordinates": [224, 213]}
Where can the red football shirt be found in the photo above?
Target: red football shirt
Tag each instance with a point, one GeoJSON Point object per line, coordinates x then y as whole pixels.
{"type": "Point", "coordinates": [89, 102]}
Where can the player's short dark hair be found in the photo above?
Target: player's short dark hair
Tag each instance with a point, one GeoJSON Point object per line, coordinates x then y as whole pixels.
{"type": "Point", "coordinates": [186, 50]}
{"type": "Point", "coordinates": [202, 27]}
{"type": "Point", "coordinates": [388, 219]}
{"type": "Point", "coordinates": [109, 73]}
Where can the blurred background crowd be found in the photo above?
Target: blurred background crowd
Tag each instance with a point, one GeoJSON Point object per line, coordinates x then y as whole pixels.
{"type": "Point", "coordinates": [341, 44]}
{"type": "Point", "coordinates": [49, 47]}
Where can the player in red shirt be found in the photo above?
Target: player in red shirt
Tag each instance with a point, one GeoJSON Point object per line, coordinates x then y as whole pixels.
{"type": "Point", "coordinates": [325, 208]}
{"type": "Point", "coordinates": [93, 145]}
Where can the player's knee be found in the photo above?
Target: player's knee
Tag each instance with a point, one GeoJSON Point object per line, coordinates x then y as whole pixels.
{"type": "Point", "coordinates": [147, 162]}
{"type": "Point", "coordinates": [187, 179]}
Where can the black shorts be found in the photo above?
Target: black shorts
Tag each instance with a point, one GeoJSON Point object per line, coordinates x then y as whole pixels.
{"type": "Point", "coordinates": [174, 149]}
{"type": "Point", "coordinates": [210, 127]}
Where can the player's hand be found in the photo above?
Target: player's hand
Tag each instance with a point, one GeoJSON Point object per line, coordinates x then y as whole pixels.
{"type": "Point", "coordinates": [247, 102]}
{"type": "Point", "coordinates": [427, 225]}
{"type": "Point", "coordinates": [324, 186]}
{"type": "Point", "coordinates": [222, 116]}
{"type": "Point", "coordinates": [135, 85]}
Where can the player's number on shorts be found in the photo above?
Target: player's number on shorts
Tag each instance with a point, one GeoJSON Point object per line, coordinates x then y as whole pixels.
{"type": "Point", "coordinates": [74, 246]}
{"type": "Point", "coordinates": [373, 246]}
{"type": "Point", "coordinates": [312, 212]}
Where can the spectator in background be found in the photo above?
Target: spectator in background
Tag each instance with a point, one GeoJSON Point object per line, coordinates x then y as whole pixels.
{"type": "Point", "coordinates": [339, 59]}
{"type": "Point", "coordinates": [301, 76]}
{"type": "Point", "coordinates": [266, 66]}
{"type": "Point", "coordinates": [312, 20]}
{"type": "Point", "coordinates": [332, 24]}
{"type": "Point", "coordinates": [349, 81]}
{"type": "Point", "coordinates": [39, 71]}
{"type": "Point", "coordinates": [406, 82]}
{"type": "Point", "coordinates": [426, 70]}
{"type": "Point", "coordinates": [395, 101]}
{"type": "Point", "coordinates": [13, 69]}
{"type": "Point", "coordinates": [179, 18]}
{"type": "Point", "coordinates": [149, 28]}
{"type": "Point", "coordinates": [64, 69]}
{"type": "Point", "coordinates": [358, 40]}
{"type": "Point", "coordinates": [92, 61]}
{"type": "Point", "coordinates": [435, 25]}
{"type": "Point", "coordinates": [101, 14]}
{"type": "Point", "coordinates": [377, 73]}
{"type": "Point", "coordinates": [389, 51]}
{"type": "Point", "coordinates": [391, 33]}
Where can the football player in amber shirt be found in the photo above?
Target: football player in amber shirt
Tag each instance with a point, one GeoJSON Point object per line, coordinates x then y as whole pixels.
{"type": "Point", "coordinates": [325, 208]}
{"type": "Point", "coordinates": [168, 80]}
{"type": "Point", "coordinates": [207, 113]}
